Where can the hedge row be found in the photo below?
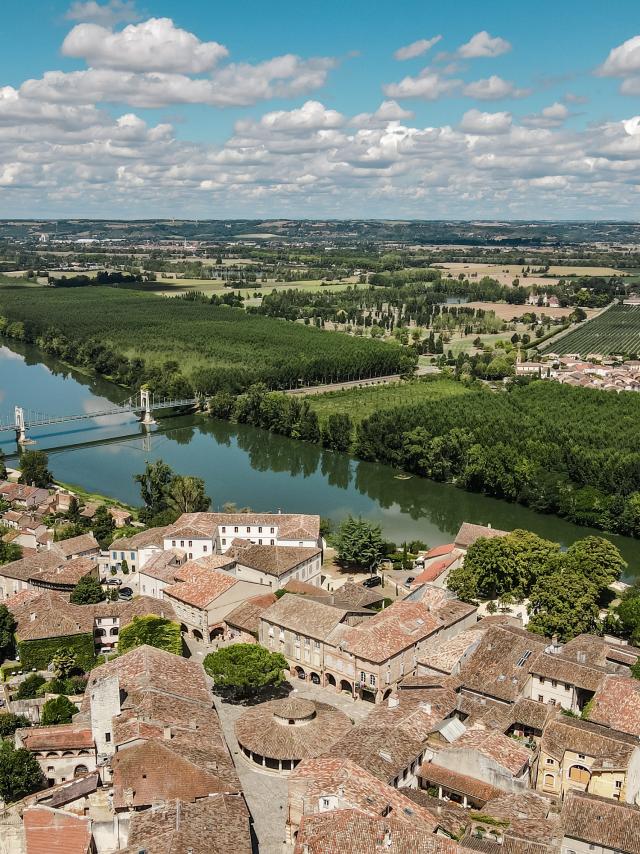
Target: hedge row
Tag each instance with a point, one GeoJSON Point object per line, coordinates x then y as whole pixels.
{"type": "Point", "coordinates": [39, 653]}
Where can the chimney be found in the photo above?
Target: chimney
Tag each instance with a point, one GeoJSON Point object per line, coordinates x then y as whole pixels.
{"type": "Point", "coordinates": [166, 733]}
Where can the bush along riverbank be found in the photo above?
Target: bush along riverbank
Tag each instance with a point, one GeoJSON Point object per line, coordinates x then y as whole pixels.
{"type": "Point", "coordinates": [566, 451]}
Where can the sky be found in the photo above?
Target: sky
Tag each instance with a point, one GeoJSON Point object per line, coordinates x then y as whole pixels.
{"type": "Point", "coordinates": [135, 109]}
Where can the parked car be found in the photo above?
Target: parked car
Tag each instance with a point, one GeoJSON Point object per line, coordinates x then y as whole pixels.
{"type": "Point", "coordinates": [409, 580]}
{"type": "Point", "coordinates": [114, 582]}
{"type": "Point", "coordinates": [372, 581]}
{"type": "Point", "coordinates": [125, 593]}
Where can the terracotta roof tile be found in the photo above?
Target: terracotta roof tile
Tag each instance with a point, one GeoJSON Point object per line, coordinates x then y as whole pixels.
{"type": "Point", "coordinates": [219, 824]}
{"type": "Point", "coordinates": [462, 784]}
{"type": "Point", "coordinates": [609, 749]}
{"type": "Point", "coordinates": [494, 745]}
{"type": "Point", "coordinates": [61, 737]}
{"type": "Point", "coordinates": [272, 560]}
{"type": "Point", "coordinates": [203, 590]}
{"type": "Point", "coordinates": [247, 615]}
{"type": "Point", "coordinates": [356, 832]}
{"type": "Point", "coordinates": [299, 614]}
{"type": "Point", "coordinates": [469, 533]}
{"type": "Point", "coordinates": [50, 831]}
{"type": "Point", "coordinates": [616, 704]}
{"type": "Point", "coordinates": [265, 729]}
{"type": "Point", "coordinates": [599, 822]}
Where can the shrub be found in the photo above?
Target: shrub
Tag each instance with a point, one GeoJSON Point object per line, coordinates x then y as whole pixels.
{"type": "Point", "coordinates": [151, 630]}
{"type": "Point", "coordinates": [57, 711]}
{"type": "Point", "coordinates": [28, 689]}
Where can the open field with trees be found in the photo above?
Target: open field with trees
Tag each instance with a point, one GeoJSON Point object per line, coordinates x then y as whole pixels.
{"type": "Point", "coordinates": [179, 346]}
{"type": "Point", "coordinates": [614, 332]}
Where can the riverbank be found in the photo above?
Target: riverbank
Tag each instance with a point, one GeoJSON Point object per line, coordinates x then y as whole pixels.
{"type": "Point", "coordinates": [247, 466]}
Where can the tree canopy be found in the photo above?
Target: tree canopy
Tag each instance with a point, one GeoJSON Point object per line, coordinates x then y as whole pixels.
{"type": "Point", "coordinates": [7, 628]}
{"type": "Point", "coordinates": [20, 774]}
{"type": "Point", "coordinates": [358, 542]}
{"type": "Point", "coordinates": [9, 723]}
{"type": "Point", "coordinates": [166, 495]}
{"type": "Point", "coordinates": [243, 670]}
{"type": "Point", "coordinates": [34, 469]}
{"type": "Point", "coordinates": [87, 591]}
{"type": "Point", "coordinates": [58, 710]}
{"type": "Point", "coordinates": [153, 631]}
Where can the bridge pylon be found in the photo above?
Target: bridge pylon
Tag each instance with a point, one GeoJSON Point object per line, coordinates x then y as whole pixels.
{"type": "Point", "coordinates": [21, 430]}
{"type": "Point", "coordinates": [145, 405]}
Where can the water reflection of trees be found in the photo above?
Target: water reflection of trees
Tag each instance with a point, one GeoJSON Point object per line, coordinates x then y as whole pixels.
{"type": "Point", "coordinates": [266, 451]}
{"type": "Point", "coordinates": [337, 468]}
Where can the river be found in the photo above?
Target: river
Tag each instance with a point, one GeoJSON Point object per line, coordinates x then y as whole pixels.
{"type": "Point", "coordinates": [244, 465]}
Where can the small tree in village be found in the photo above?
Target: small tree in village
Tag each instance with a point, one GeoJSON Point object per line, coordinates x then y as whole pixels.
{"type": "Point", "coordinates": [244, 670]}
{"type": "Point", "coordinates": [20, 774]}
{"type": "Point", "coordinates": [359, 543]}
{"type": "Point", "coordinates": [87, 591]}
{"type": "Point", "coordinates": [59, 710]}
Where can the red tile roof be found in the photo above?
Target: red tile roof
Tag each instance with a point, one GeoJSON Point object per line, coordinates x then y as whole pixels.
{"type": "Point", "coordinates": [203, 590]}
{"type": "Point", "coordinates": [439, 551]}
{"type": "Point", "coordinates": [50, 831]}
{"type": "Point", "coordinates": [61, 737]}
{"type": "Point", "coordinates": [434, 571]}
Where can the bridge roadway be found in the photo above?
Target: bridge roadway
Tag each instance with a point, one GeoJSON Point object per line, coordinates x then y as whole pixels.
{"type": "Point", "coordinates": [42, 420]}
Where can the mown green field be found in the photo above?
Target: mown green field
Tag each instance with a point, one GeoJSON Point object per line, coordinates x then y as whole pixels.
{"type": "Point", "coordinates": [614, 332]}
{"type": "Point", "coordinates": [359, 403]}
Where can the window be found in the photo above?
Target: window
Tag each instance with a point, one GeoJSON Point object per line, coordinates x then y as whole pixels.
{"type": "Point", "coordinates": [325, 802]}
{"type": "Point", "coordinates": [235, 530]}
{"type": "Point", "coordinates": [581, 756]}
{"type": "Point", "coordinates": [181, 544]}
{"type": "Point", "coordinates": [618, 784]}
{"type": "Point", "coordinates": [549, 761]}
{"type": "Point", "coordinates": [224, 542]}
{"type": "Point", "coordinates": [107, 737]}
{"type": "Point", "coordinates": [272, 543]}
{"type": "Point", "coordinates": [190, 544]}
{"type": "Point", "coordinates": [297, 638]}
{"type": "Point", "coordinates": [248, 530]}
{"type": "Point", "coordinates": [133, 555]}
{"type": "Point", "coordinates": [307, 641]}
{"type": "Point", "coordinates": [224, 530]}
{"type": "Point", "coordinates": [540, 698]}
{"type": "Point", "coordinates": [173, 543]}
{"type": "Point", "coordinates": [272, 531]}
{"type": "Point", "coordinates": [316, 644]}
{"type": "Point", "coordinates": [190, 555]}
{"type": "Point", "coordinates": [554, 684]}
{"type": "Point", "coordinates": [204, 548]}
{"type": "Point", "coordinates": [259, 542]}
{"type": "Point", "coordinates": [260, 529]}
{"type": "Point", "coordinates": [121, 555]}
{"type": "Point", "coordinates": [363, 676]}
{"type": "Point", "coordinates": [372, 680]}
{"type": "Point", "coordinates": [115, 555]}
{"type": "Point", "coordinates": [300, 544]}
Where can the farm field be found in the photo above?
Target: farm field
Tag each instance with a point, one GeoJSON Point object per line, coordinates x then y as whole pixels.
{"type": "Point", "coordinates": [505, 311]}
{"type": "Point", "coordinates": [615, 331]}
{"type": "Point", "coordinates": [506, 273]}
{"type": "Point", "coordinates": [359, 403]}
{"type": "Point", "coordinates": [194, 335]}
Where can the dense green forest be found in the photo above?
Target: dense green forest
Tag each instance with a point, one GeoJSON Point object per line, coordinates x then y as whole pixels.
{"type": "Point", "coordinates": [181, 346]}
{"type": "Point", "coordinates": [569, 451]}
{"type": "Point", "coordinates": [554, 448]}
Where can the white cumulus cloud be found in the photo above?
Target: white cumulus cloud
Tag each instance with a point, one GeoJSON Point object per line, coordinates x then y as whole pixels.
{"type": "Point", "coordinates": [107, 14]}
{"type": "Point", "coordinates": [477, 122]}
{"type": "Point", "coordinates": [154, 45]}
{"type": "Point", "coordinates": [623, 60]}
{"type": "Point", "coordinates": [428, 85]}
{"type": "Point", "coordinates": [417, 48]}
{"type": "Point", "coordinates": [550, 117]}
{"type": "Point", "coordinates": [483, 45]}
{"type": "Point", "coordinates": [493, 89]}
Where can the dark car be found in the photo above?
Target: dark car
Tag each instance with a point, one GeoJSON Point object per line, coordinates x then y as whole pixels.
{"type": "Point", "coordinates": [125, 593]}
{"type": "Point", "coordinates": [373, 581]}
{"type": "Point", "coordinates": [410, 580]}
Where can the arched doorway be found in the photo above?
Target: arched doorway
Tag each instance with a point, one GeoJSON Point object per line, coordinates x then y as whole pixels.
{"type": "Point", "coordinates": [80, 769]}
{"type": "Point", "coordinates": [299, 672]}
{"type": "Point", "coordinates": [330, 680]}
{"type": "Point", "coordinates": [313, 677]}
{"type": "Point", "coordinates": [346, 687]}
{"type": "Point", "coordinates": [218, 632]}
{"type": "Point", "coordinates": [579, 774]}
{"type": "Point", "coordinates": [549, 781]}
{"type": "Point", "coordinates": [184, 629]}
{"type": "Point", "coordinates": [386, 694]}
{"type": "Point", "coordinates": [197, 634]}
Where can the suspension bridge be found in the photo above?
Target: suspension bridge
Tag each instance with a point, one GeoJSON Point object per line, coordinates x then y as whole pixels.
{"type": "Point", "coordinates": [142, 405]}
